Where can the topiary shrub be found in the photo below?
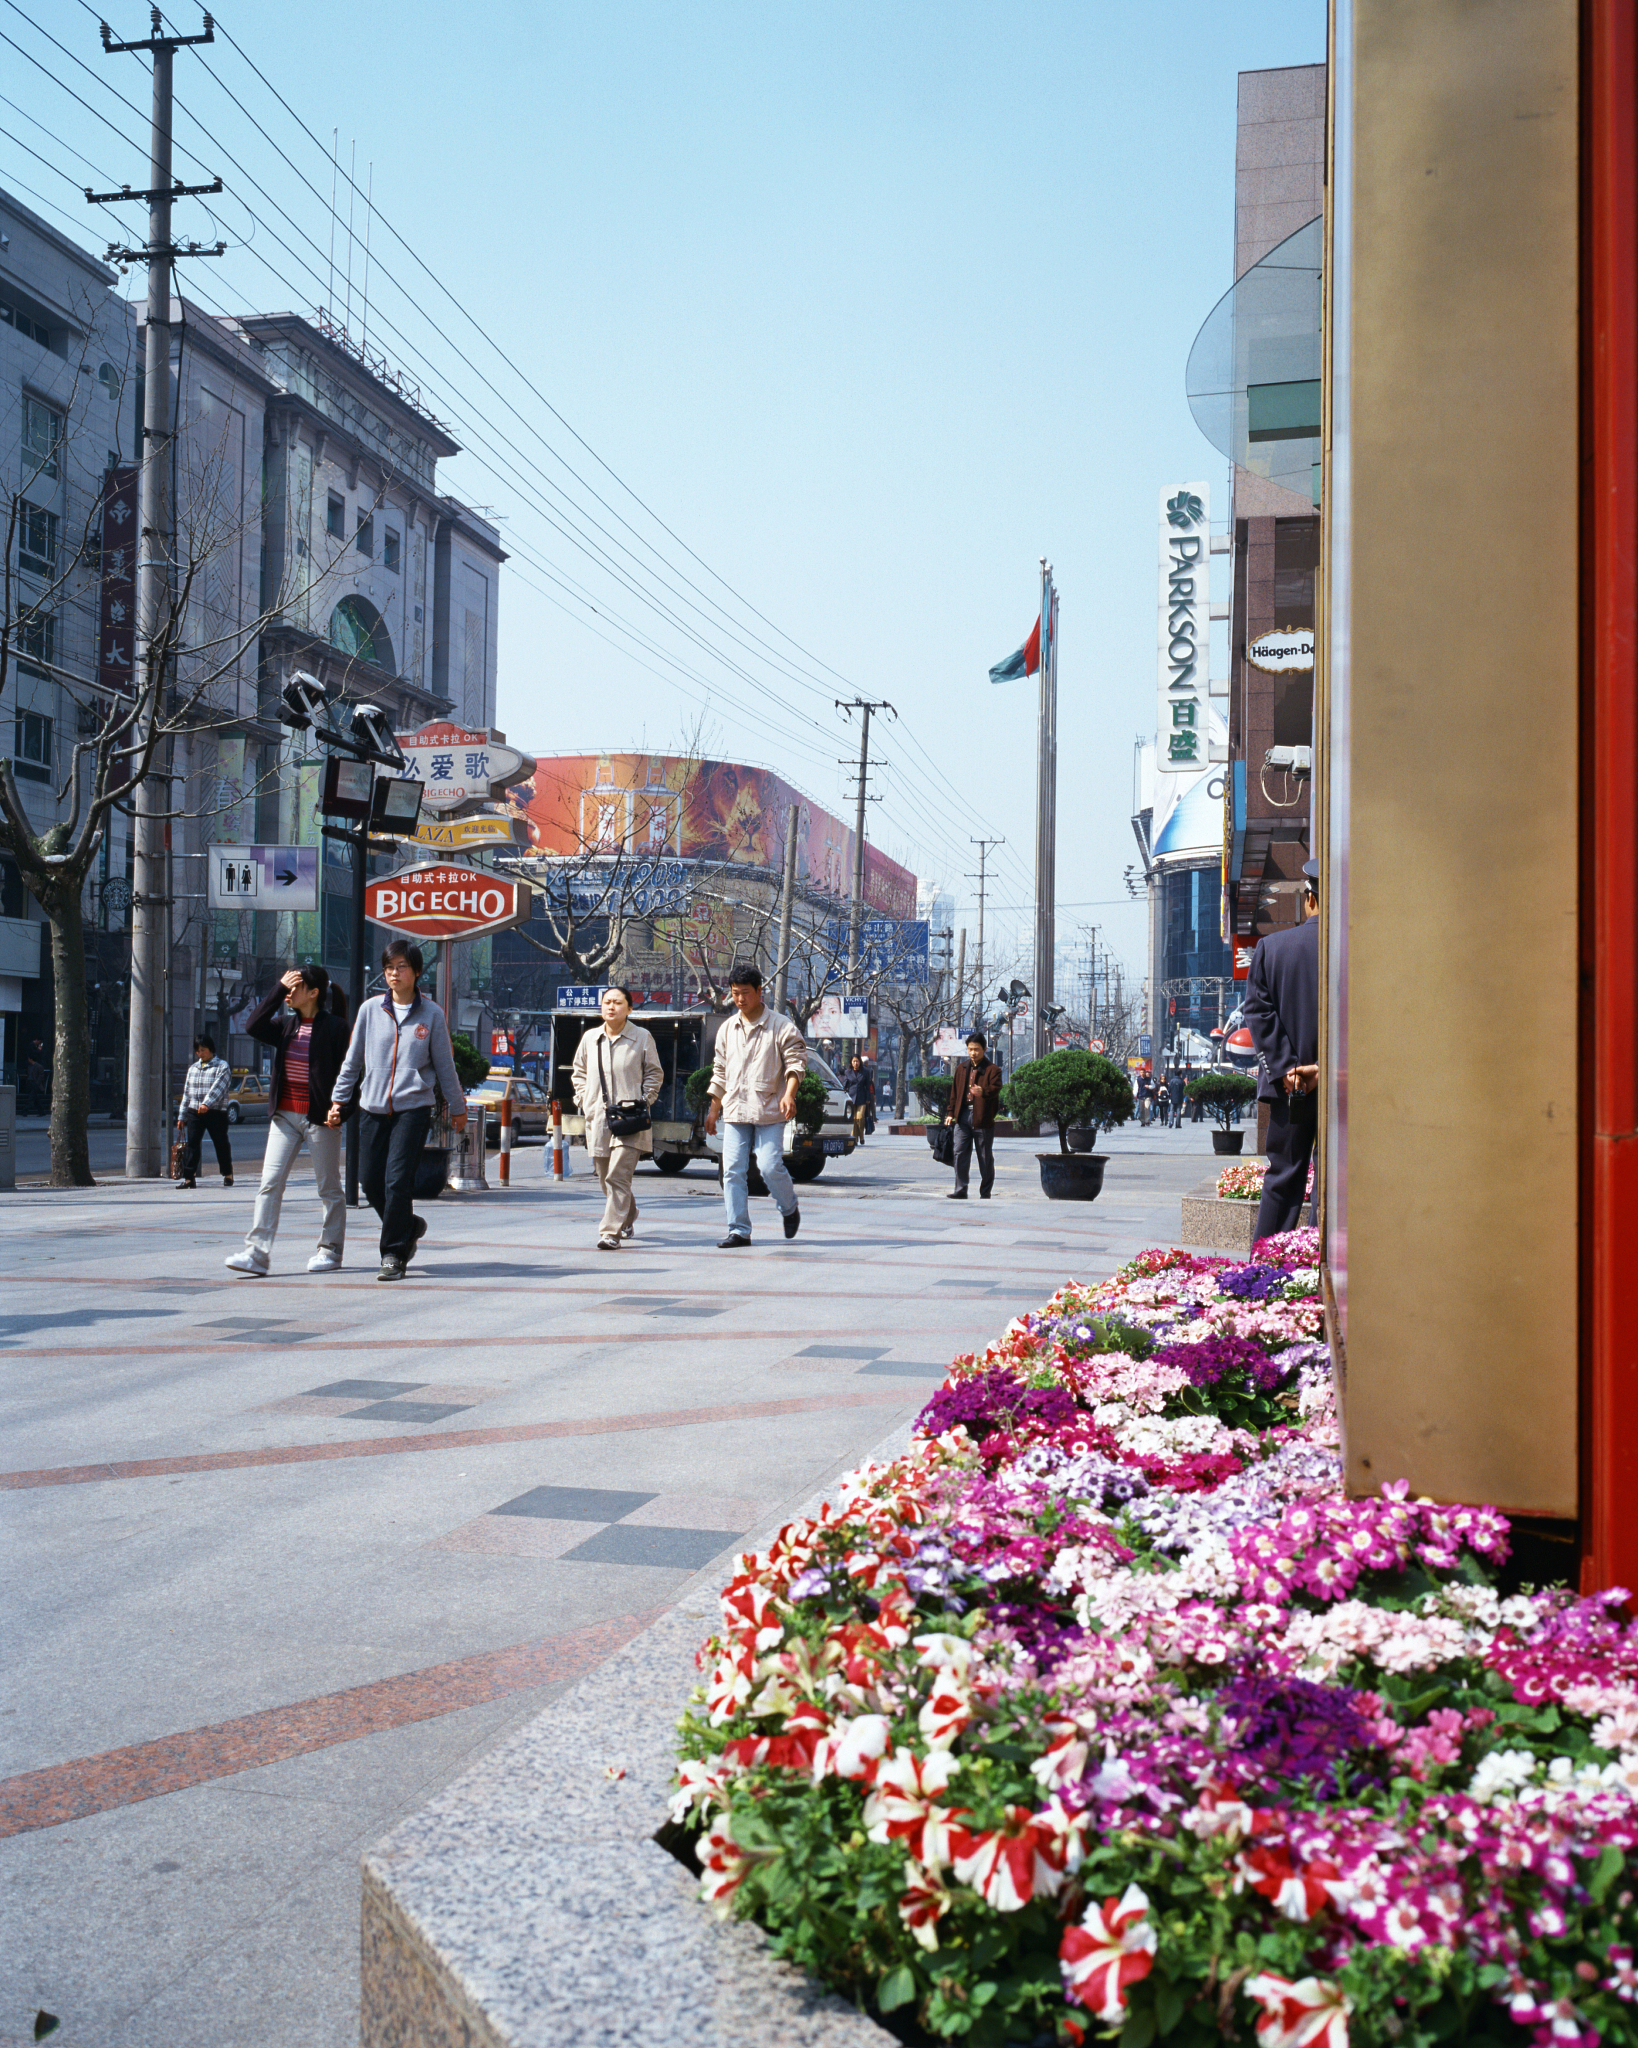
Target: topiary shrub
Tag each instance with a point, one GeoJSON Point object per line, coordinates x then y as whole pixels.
{"type": "Point", "coordinates": [1221, 1095]}
{"type": "Point", "coordinates": [934, 1091]}
{"type": "Point", "coordinates": [1069, 1088]}
{"type": "Point", "coordinates": [470, 1065]}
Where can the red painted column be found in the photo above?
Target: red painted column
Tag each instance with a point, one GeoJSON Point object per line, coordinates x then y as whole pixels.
{"type": "Point", "coordinates": [1610, 798]}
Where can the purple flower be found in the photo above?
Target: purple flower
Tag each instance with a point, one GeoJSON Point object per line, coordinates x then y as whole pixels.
{"type": "Point", "coordinates": [1292, 1728]}
{"type": "Point", "coordinates": [1252, 1283]}
{"type": "Point", "coordinates": [993, 1400]}
{"type": "Point", "coordinates": [1215, 1359]}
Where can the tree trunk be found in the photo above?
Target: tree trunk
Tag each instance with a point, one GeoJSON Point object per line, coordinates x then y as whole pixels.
{"type": "Point", "coordinates": [71, 1044]}
{"type": "Point", "coordinates": [903, 1094]}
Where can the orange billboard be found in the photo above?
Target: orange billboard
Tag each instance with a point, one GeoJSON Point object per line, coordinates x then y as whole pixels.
{"type": "Point", "coordinates": [674, 806]}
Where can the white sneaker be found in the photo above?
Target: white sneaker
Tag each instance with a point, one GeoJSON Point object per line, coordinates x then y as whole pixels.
{"type": "Point", "coordinates": [248, 1261]}
{"type": "Point", "coordinates": [324, 1261]}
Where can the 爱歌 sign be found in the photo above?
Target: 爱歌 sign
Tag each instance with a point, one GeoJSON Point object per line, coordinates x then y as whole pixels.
{"type": "Point", "coordinates": [1290, 648]}
{"type": "Point", "coordinates": [447, 902]}
{"type": "Point", "coordinates": [458, 767]}
{"type": "Point", "coordinates": [263, 878]}
{"type": "Point", "coordinates": [1182, 745]}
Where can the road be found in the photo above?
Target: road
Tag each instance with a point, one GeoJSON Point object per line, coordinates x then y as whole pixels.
{"type": "Point", "coordinates": [285, 1556]}
{"type": "Point", "coordinates": [106, 1141]}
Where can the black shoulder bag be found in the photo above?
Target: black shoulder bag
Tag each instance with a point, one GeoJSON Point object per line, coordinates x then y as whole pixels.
{"type": "Point", "coordinates": [624, 1119]}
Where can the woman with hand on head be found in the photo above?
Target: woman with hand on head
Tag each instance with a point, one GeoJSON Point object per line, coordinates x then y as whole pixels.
{"type": "Point", "coordinates": [304, 1019]}
{"type": "Point", "coordinates": [617, 1077]}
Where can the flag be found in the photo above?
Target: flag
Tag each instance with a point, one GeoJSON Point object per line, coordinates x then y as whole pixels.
{"type": "Point", "coordinates": [1024, 663]}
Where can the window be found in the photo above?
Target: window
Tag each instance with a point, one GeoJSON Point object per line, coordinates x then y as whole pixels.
{"type": "Point", "coordinates": [357, 629]}
{"type": "Point", "coordinates": [14, 316]}
{"type": "Point", "coordinates": [37, 540]}
{"type": "Point", "coordinates": [37, 636]}
{"type": "Point", "coordinates": [31, 751]}
{"type": "Point", "coordinates": [42, 436]}
{"type": "Point", "coordinates": [335, 517]}
{"type": "Point", "coordinates": [364, 539]}
{"type": "Point", "coordinates": [389, 550]}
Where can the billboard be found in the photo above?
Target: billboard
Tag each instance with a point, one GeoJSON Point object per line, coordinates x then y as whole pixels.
{"type": "Point", "coordinates": [675, 807]}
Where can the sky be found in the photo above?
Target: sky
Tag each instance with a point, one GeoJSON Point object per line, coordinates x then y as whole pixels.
{"type": "Point", "coordinates": [781, 341]}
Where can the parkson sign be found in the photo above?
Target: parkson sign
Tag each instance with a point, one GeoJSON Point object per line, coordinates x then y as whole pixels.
{"type": "Point", "coordinates": [447, 902]}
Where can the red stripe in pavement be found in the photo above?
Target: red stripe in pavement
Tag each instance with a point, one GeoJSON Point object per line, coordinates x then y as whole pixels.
{"type": "Point", "coordinates": [338, 1339]}
{"type": "Point", "coordinates": [445, 1440]}
{"type": "Point", "coordinates": [147, 1770]}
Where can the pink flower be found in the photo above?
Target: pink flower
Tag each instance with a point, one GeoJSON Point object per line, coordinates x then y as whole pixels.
{"type": "Point", "coordinates": [1623, 1978]}
{"type": "Point", "coordinates": [1308, 2014]}
{"type": "Point", "coordinates": [1112, 1947]}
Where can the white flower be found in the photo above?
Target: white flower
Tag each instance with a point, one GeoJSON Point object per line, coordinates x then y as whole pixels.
{"type": "Point", "coordinates": [1502, 1771]}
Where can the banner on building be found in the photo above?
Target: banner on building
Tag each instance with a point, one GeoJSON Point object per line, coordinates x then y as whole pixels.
{"type": "Point", "coordinates": [1183, 743]}
{"type": "Point", "coordinates": [116, 629]}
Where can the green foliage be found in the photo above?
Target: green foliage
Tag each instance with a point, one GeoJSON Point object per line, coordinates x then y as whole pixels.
{"type": "Point", "coordinates": [470, 1065]}
{"type": "Point", "coordinates": [935, 1089]}
{"type": "Point", "coordinates": [1222, 1094]}
{"type": "Point", "coordinates": [810, 1104]}
{"type": "Point", "coordinates": [1069, 1088]}
{"type": "Point", "coordinates": [697, 1091]}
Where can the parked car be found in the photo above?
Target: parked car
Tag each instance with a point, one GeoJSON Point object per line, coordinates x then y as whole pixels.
{"type": "Point", "coordinates": [249, 1099]}
{"type": "Point", "coordinates": [531, 1107]}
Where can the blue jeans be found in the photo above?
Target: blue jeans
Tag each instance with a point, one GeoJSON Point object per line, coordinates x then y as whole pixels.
{"type": "Point", "coordinates": [738, 1141]}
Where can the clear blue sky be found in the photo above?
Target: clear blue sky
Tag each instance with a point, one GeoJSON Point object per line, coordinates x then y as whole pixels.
{"type": "Point", "coordinates": [872, 304]}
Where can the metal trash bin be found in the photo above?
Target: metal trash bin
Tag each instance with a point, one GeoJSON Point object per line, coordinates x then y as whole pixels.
{"type": "Point", "coordinates": [467, 1153]}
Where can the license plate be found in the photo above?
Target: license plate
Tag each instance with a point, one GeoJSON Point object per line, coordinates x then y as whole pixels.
{"type": "Point", "coordinates": [835, 1148]}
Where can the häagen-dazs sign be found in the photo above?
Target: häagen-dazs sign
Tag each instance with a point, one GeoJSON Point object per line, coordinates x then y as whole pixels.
{"type": "Point", "coordinates": [1290, 648]}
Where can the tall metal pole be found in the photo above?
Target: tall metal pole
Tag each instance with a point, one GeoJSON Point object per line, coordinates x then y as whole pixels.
{"type": "Point", "coordinates": [142, 1114]}
{"type": "Point", "coordinates": [357, 973]}
{"type": "Point", "coordinates": [787, 907]}
{"type": "Point", "coordinates": [1046, 791]}
{"type": "Point", "coordinates": [983, 846]}
{"type": "Point", "coordinates": [960, 1018]}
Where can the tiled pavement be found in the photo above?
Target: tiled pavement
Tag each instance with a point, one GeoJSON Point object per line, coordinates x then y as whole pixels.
{"type": "Point", "coordinates": [285, 1555]}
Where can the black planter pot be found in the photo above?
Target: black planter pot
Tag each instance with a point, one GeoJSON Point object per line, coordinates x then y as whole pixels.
{"type": "Point", "coordinates": [1071, 1177]}
{"type": "Point", "coordinates": [1083, 1141]}
{"type": "Point", "coordinates": [1227, 1141]}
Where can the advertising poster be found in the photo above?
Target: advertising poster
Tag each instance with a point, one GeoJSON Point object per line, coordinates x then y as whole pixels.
{"type": "Point", "coordinates": [654, 806]}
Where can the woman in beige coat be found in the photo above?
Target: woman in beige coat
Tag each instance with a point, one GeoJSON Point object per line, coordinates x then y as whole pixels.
{"type": "Point", "coordinates": [616, 1064]}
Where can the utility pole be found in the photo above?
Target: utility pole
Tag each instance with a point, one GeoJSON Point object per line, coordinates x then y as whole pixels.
{"type": "Point", "coordinates": [983, 846]}
{"type": "Point", "coordinates": [144, 1112]}
{"type": "Point", "coordinates": [1046, 816]}
{"type": "Point", "coordinates": [864, 705]}
{"type": "Point", "coordinates": [787, 906]}
{"type": "Point", "coordinates": [960, 1017]}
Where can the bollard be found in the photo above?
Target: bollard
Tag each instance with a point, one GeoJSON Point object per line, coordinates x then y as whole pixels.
{"type": "Point", "coordinates": [557, 1139]}
{"type": "Point", "coordinates": [506, 1140]}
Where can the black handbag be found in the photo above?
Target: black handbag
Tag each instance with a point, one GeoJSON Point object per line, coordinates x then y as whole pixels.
{"type": "Point", "coordinates": [624, 1119]}
{"type": "Point", "coordinates": [944, 1145]}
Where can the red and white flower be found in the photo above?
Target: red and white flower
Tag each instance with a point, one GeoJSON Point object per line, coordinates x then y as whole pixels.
{"type": "Point", "coordinates": [1311, 2013]}
{"type": "Point", "coordinates": [924, 1905]}
{"type": "Point", "coordinates": [725, 1863]}
{"type": "Point", "coordinates": [903, 1805]}
{"type": "Point", "coordinates": [852, 1748]}
{"type": "Point", "coordinates": [1113, 1946]}
{"type": "Point", "coordinates": [1298, 1890]}
{"type": "Point", "coordinates": [1009, 1865]}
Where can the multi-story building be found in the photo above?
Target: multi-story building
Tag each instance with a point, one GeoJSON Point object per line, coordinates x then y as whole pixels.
{"type": "Point", "coordinates": [310, 534]}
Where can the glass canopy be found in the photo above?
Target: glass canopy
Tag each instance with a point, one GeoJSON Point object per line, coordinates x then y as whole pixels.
{"type": "Point", "coordinates": [1253, 379]}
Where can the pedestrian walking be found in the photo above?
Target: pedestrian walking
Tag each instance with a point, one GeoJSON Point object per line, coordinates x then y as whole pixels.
{"type": "Point", "coordinates": [397, 1058]}
{"type": "Point", "coordinates": [204, 1108]}
{"type": "Point", "coordinates": [1163, 1105]}
{"type": "Point", "coordinates": [859, 1086]}
{"type": "Point", "coordinates": [37, 1081]}
{"type": "Point", "coordinates": [1282, 1015]}
{"type": "Point", "coordinates": [975, 1095]}
{"type": "Point", "coordinates": [759, 1060]}
{"type": "Point", "coordinates": [304, 1018]}
{"type": "Point", "coordinates": [617, 1079]}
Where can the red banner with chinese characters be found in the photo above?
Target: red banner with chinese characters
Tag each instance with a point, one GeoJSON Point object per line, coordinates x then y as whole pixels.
{"type": "Point", "coordinates": [116, 623]}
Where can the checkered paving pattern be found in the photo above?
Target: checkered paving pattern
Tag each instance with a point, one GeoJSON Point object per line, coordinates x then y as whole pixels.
{"type": "Point", "coordinates": [598, 1525]}
{"type": "Point", "coordinates": [382, 1401]}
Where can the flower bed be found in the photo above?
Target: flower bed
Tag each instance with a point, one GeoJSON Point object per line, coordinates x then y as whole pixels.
{"type": "Point", "coordinates": [1243, 1181]}
{"type": "Point", "coordinates": [1103, 1712]}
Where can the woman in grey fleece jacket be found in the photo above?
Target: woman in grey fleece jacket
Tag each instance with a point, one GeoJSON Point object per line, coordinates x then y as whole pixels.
{"type": "Point", "coordinates": [399, 1045]}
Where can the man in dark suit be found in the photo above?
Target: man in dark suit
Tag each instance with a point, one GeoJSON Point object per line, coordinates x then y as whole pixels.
{"type": "Point", "coordinates": [975, 1094]}
{"type": "Point", "coordinates": [1282, 1015]}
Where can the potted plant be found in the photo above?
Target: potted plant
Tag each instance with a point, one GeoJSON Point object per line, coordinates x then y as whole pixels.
{"type": "Point", "coordinates": [1068, 1089]}
{"type": "Point", "coordinates": [932, 1091]}
{"type": "Point", "coordinates": [1223, 1096]}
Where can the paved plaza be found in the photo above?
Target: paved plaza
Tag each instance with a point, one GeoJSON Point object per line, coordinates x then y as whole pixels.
{"type": "Point", "coordinates": [285, 1556]}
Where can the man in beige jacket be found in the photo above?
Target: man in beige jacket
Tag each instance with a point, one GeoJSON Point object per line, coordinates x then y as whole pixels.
{"type": "Point", "coordinates": [617, 1063]}
{"type": "Point", "coordinates": [760, 1057]}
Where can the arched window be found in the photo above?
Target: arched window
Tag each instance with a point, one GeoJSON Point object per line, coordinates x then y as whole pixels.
{"type": "Point", "coordinates": [358, 629]}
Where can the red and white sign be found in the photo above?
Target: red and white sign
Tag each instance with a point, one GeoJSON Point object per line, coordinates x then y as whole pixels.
{"type": "Point", "coordinates": [1243, 950]}
{"type": "Point", "coordinates": [447, 902]}
{"type": "Point", "coordinates": [1099, 1046]}
{"type": "Point", "coordinates": [456, 767]}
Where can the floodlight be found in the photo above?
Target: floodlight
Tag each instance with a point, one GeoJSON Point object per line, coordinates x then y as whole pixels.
{"type": "Point", "coordinates": [347, 785]}
{"type": "Point", "coordinates": [372, 730]}
{"type": "Point", "coordinates": [304, 701]}
{"type": "Point", "coordinates": [397, 807]}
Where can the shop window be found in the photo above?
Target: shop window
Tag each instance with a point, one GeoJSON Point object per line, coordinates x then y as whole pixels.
{"type": "Point", "coordinates": [31, 746]}
{"type": "Point", "coordinates": [335, 517]}
{"type": "Point", "coordinates": [389, 551]}
{"type": "Point", "coordinates": [37, 540]}
{"type": "Point", "coordinates": [42, 437]}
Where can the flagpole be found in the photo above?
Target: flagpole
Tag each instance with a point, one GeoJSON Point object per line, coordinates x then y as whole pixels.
{"type": "Point", "coordinates": [1046, 788]}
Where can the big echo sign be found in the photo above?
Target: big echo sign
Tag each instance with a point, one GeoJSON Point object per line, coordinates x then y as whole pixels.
{"type": "Point", "coordinates": [447, 902]}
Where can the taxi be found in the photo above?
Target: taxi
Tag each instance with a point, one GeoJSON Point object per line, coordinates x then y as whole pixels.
{"type": "Point", "coordinates": [531, 1106]}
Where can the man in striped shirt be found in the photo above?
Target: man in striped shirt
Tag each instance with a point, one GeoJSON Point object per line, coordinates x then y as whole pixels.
{"type": "Point", "coordinates": [204, 1096]}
